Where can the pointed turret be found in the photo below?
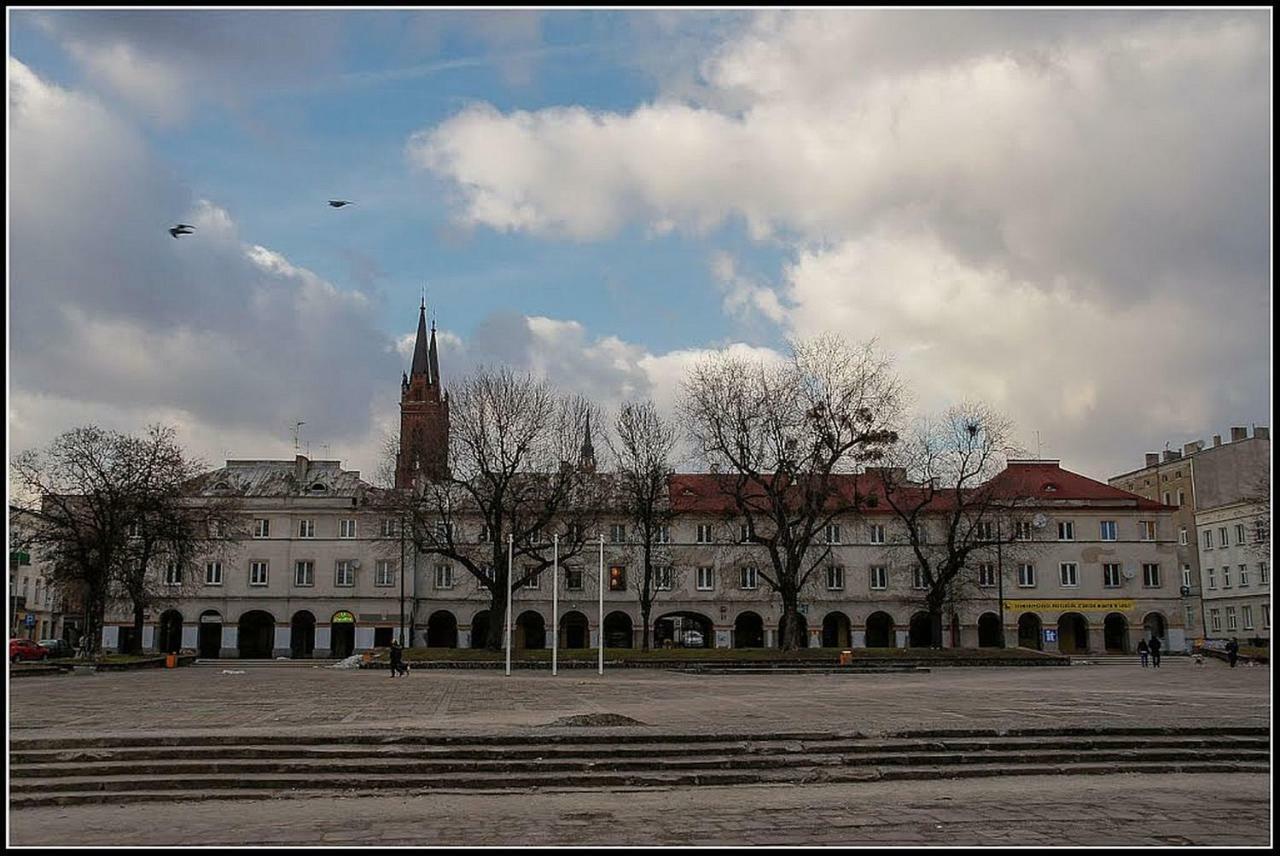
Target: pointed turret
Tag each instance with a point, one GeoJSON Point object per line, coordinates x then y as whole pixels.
{"type": "Point", "coordinates": [433, 361]}
{"type": "Point", "coordinates": [587, 458]}
{"type": "Point", "coordinates": [419, 365]}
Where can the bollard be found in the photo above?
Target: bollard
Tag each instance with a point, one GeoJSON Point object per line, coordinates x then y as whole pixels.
{"type": "Point", "coordinates": [170, 661]}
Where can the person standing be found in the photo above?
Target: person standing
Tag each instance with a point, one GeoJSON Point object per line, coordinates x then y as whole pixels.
{"type": "Point", "coordinates": [1233, 652]}
{"type": "Point", "coordinates": [396, 655]}
{"type": "Point", "coordinates": [1143, 651]}
{"type": "Point", "coordinates": [1155, 652]}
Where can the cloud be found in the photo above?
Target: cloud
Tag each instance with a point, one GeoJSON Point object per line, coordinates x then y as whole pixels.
{"type": "Point", "coordinates": [1045, 186]}
{"type": "Point", "coordinates": [212, 332]}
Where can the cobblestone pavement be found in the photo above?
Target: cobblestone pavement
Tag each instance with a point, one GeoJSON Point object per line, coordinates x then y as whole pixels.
{"type": "Point", "coordinates": [288, 698]}
{"type": "Point", "coordinates": [1209, 809]}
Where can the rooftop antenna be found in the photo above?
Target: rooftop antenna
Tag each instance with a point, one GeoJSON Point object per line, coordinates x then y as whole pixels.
{"type": "Point", "coordinates": [325, 446]}
{"type": "Point", "coordinates": [1037, 445]}
{"type": "Point", "coordinates": [296, 426]}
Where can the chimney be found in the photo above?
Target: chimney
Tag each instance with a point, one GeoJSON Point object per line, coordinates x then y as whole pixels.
{"type": "Point", "coordinates": [1239, 434]}
{"type": "Point", "coordinates": [1217, 440]}
{"type": "Point", "coordinates": [1171, 455]}
{"type": "Point", "coordinates": [1193, 447]}
{"type": "Point", "coordinates": [300, 468]}
{"type": "Point", "coordinates": [1261, 432]}
{"type": "Point", "coordinates": [1153, 458]}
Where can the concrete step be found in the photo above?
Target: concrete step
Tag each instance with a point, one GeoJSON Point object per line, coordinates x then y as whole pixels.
{"type": "Point", "coordinates": [204, 773]}
{"type": "Point", "coordinates": [261, 664]}
{"type": "Point", "coordinates": [302, 785]}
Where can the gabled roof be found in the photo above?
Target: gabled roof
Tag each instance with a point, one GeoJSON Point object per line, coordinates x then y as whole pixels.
{"type": "Point", "coordinates": [299, 477]}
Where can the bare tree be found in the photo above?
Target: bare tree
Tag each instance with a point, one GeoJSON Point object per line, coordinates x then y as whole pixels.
{"type": "Point", "coordinates": [98, 492]}
{"type": "Point", "coordinates": [789, 436]}
{"type": "Point", "coordinates": [943, 489]}
{"type": "Point", "coordinates": [643, 446]}
{"type": "Point", "coordinates": [1258, 493]}
{"type": "Point", "coordinates": [513, 447]}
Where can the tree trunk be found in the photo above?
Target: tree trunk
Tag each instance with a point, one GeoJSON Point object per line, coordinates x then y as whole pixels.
{"type": "Point", "coordinates": [495, 640]}
{"type": "Point", "coordinates": [646, 593]}
{"type": "Point", "coordinates": [790, 633]}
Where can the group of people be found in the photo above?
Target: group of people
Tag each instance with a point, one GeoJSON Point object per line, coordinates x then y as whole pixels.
{"type": "Point", "coordinates": [1151, 649]}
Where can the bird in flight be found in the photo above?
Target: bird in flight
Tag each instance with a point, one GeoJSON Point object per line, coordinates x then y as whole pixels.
{"type": "Point", "coordinates": [338, 203]}
{"type": "Point", "coordinates": [181, 229]}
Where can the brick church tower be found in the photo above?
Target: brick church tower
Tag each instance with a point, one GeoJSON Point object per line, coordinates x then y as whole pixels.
{"type": "Point", "coordinates": [424, 413]}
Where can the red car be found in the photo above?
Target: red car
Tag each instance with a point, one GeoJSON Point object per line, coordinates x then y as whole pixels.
{"type": "Point", "coordinates": [25, 649]}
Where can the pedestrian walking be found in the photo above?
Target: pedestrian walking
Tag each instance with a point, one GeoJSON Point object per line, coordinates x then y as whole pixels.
{"type": "Point", "coordinates": [1155, 652]}
{"type": "Point", "coordinates": [397, 658]}
{"type": "Point", "coordinates": [1143, 651]}
{"type": "Point", "coordinates": [1233, 652]}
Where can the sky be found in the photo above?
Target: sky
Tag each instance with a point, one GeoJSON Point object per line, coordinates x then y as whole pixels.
{"type": "Point", "coordinates": [1062, 213]}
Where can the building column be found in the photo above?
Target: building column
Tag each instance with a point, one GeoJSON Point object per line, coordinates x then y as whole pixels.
{"type": "Point", "coordinates": [859, 638]}
{"type": "Point", "coordinates": [148, 637]}
{"type": "Point", "coordinates": [364, 638]}
{"type": "Point", "coordinates": [901, 638]}
{"type": "Point", "coordinates": [190, 636]}
{"type": "Point", "coordinates": [230, 641]}
{"type": "Point", "coordinates": [464, 636]}
{"type": "Point", "coordinates": [283, 642]}
{"type": "Point", "coordinates": [724, 637]}
{"type": "Point", "coordinates": [110, 637]}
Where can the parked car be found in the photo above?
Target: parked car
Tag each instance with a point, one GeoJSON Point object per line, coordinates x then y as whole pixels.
{"type": "Point", "coordinates": [25, 649]}
{"type": "Point", "coordinates": [692, 639]}
{"type": "Point", "coordinates": [57, 647]}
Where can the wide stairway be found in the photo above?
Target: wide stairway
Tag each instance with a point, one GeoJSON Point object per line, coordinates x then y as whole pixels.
{"type": "Point", "coordinates": [181, 767]}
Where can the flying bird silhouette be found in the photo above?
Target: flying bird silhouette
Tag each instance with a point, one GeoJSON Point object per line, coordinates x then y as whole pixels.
{"type": "Point", "coordinates": [338, 203]}
{"type": "Point", "coordinates": [181, 229]}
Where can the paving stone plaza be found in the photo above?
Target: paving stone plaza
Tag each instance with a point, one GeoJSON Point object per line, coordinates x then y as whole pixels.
{"type": "Point", "coordinates": [1141, 809]}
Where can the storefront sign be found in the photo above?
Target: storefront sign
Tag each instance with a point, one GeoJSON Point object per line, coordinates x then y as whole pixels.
{"type": "Point", "coordinates": [1070, 605]}
{"type": "Point", "coordinates": [342, 618]}
{"type": "Point", "coordinates": [1050, 635]}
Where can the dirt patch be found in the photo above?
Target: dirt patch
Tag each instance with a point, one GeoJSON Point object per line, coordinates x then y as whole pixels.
{"type": "Point", "coordinates": [596, 720]}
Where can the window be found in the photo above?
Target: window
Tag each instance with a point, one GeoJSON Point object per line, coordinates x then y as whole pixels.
{"type": "Point", "coordinates": [747, 578]}
{"type": "Point", "coordinates": [1186, 575]}
{"type": "Point", "coordinates": [444, 576]}
{"type": "Point", "coordinates": [1263, 579]}
{"type": "Point", "coordinates": [617, 533]}
{"type": "Point", "coordinates": [742, 533]}
{"type": "Point", "coordinates": [261, 528]}
{"type": "Point", "coordinates": [1182, 536]}
{"type": "Point", "coordinates": [257, 573]}
{"type": "Point", "coordinates": [345, 574]}
{"type": "Point", "coordinates": [1222, 536]}
{"type": "Point", "coordinates": [917, 578]}
{"type": "Point", "coordinates": [216, 529]}
{"type": "Point", "coordinates": [573, 579]}
{"type": "Point", "coordinates": [986, 531]}
{"type": "Point", "coordinates": [1266, 615]}
{"type": "Point", "coordinates": [877, 533]}
{"type": "Point", "coordinates": [486, 574]}
{"type": "Point", "coordinates": [1182, 498]}
{"type": "Point", "coordinates": [304, 573]}
{"type": "Point", "coordinates": [1213, 580]}
{"type": "Point", "coordinates": [1244, 576]}
{"type": "Point", "coordinates": [1026, 575]}
{"type": "Point", "coordinates": [1246, 617]}
{"type": "Point", "coordinates": [1259, 530]}
{"type": "Point", "coordinates": [1239, 533]}
{"type": "Point", "coordinates": [835, 577]}
{"type": "Point", "coordinates": [1208, 540]}
{"type": "Point", "coordinates": [706, 579]}
{"type": "Point", "coordinates": [485, 534]}
{"type": "Point", "coordinates": [389, 528]}
{"type": "Point", "coordinates": [173, 575]}
{"type": "Point", "coordinates": [833, 533]}
{"type": "Point", "coordinates": [1151, 576]}
{"type": "Point", "coordinates": [1023, 531]}
{"type": "Point", "coordinates": [1215, 620]}
{"type": "Point", "coordinates": [1191, 617]}
{"type": "Point", "coordinates": [1167, 497]}
{"type": "Point", "coordinates": [1147, 530]}
{"type": "Point", "coordinates": [133, 530]}
{"type": "Point", "coordinates": [617, 578]}
{"type": "Point", "coordinates": [1226, 576]}
{"type": "Point", "coordinates": [384, 573]}
{"type": "Point", "coordinates": [704, 533]}
{"type": "Point", "coordinates": [663, 534]}
{"type": "Point", "coordinates": [662, 578]}
{"type": "Point", "coordinates": [879, 577]}
{"type": "Point", "coordinates": [1231, 618]}
{"type": "Point", "coordinates": [306, 529]}
{"type": "Point", "coordinates": [1111, 574]}
{"type": "Point", "coordinates": [1066, 530]}
{"type": "Point", "coordinates": [987, 574]}
{"type": "Point", "coordinates": [1067, 574]}
{"type": "Point", "coordinates": [346, 528]}
{"type": "Point", "coordinates": [535, 581]}
{"type": "Point", "coordinates": [1108, 528]}
{"type": "Point", "coordinates": [444, 532]}
{"type": "Point", "coordinates": [213, 573]}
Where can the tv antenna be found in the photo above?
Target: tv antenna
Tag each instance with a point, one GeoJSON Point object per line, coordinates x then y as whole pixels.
{"type": "Point", "coordinates": [1037, 445]}
{"type": "Point", "coordinates": [296, 426]}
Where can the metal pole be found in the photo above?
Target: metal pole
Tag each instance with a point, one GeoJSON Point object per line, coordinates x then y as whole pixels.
{"type": "Point", "coordinates": [403, 635]}
{"type": "Point", "coordinates": [600, 625]}
{"type": "Point", "coordinates": [555, 601]}
{"type": "Point", "coordinates": [510, 543]}
{"type": "Point", "coordinates": [1000, 578]}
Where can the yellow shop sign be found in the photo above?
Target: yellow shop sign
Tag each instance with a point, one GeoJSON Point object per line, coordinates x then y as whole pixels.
{"type": "Point", "coordinates": [1071, 605]}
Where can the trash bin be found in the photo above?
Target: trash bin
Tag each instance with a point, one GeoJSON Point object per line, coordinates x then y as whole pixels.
{"type": "Point", "coordinates": [846, 658]}
{"type": "Point", "coordinates": [170, 661]}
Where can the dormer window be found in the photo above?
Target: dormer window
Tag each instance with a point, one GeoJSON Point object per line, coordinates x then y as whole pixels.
{"type": "Point", "coordinates": [318, 486]}
{"type": "Point", "coordinates": [1050, 487]}
{"type": "Point", "coordinates": [222, 486]}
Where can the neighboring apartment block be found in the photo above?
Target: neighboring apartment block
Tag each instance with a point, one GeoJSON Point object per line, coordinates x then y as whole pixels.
{"type": "Point", "coordinates": [1220, 542]}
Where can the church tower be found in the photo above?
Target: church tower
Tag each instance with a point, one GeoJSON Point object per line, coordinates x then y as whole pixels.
{"type": "Point", "coordinates": [424, 413]}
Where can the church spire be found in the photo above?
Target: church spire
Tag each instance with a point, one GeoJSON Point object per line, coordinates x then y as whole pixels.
{"type": "Point", "coordinates": [419, 365]}
{"type": "Point", "coordinates": [433, 360]}
{"type": "Point", "coordinates": [587, 458]}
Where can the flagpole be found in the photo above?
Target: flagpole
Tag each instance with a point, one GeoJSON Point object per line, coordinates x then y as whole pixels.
{"type": "Point", "coordinates": [555, 601]}
{"type": "Point", "coordinates": [600, 625]}
{"type": "Point", "coordinates": [510, 542]}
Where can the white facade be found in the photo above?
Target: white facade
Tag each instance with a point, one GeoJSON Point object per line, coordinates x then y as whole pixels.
{"type": "Point", "coordinates": [1235, 576]}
